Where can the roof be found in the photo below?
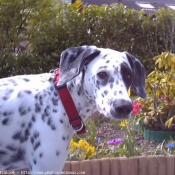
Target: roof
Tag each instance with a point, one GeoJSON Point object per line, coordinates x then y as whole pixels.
{"type": "Point", "coordinates": [134, 3]}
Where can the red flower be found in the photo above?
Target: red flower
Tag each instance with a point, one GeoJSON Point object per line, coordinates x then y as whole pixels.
{"type": "Point", "coordinates": [136, 107]}
{"type": "Point", "coordinates": [163, 98]}
{"type": "Point", "coordinates": [135, 111]}
{"type": "Point", "coordinates": [167, 99]}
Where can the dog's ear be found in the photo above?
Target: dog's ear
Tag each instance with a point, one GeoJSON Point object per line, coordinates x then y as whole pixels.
{"type": "Point", "coordinates": [72, 61]}
{"type": "Point", "coordinates": [139, 75]}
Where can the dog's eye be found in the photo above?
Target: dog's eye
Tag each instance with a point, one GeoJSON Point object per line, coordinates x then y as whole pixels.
{"type": "Point", "coordinates": [102, 74]}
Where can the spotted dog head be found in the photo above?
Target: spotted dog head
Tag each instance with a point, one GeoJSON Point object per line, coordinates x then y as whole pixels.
{"type": "Point", "coordinates": [73, 60]}
{"type": "Point", "coordinates": [106, 77]}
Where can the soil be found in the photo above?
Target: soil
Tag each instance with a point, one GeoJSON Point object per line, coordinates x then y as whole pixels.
{"type": "Point", "coordinates": [107, 130]}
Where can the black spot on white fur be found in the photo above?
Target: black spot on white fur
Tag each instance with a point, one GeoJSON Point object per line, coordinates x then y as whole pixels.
{"type": "Point", "coordinates": [5, 121]}
{"type": "Point", "coordinates": [23, 109]}
{"type": "Point", "coordinates": [37, 108]}
{"type": "Point", "coordinates": [21, 135]}
{"type": "Point", "coordinates": [104, 57]}
{"type": "Point", "coordinates": [26, 79]}
{"type": "Point", "coordinates": [19, 155]}
{"type": "Point", "coordinates": [102, 67]}
{"type": "Point", "coordinates": [14, 83]}
{"type": "Point", "coordinates": [79, 91]}
{"type": "Point", "coordinates": [63, 138]}
{"type": "Point", "coordinates": [17, 135]}
{"type": "Point", "coordinates": [7, 113]}
{"type": "Point", "coordinates": [88, 110]}
{"type": "Point", "coordinates": [32, 140]}
{"type": "Point", "coordinates": [36, 145]}
{"type": "Point", "coordinates": [111, 80]}
{"type": "Point", "coordinates": [36, 134]}
{"type": "Point", "coordinates": [111, 85]}
{"type": "Point", "coordinates": [116, 71]}
{"type": "Point", "coordinates": [34, 161]}
{"type": "Point", "coordinates": [105, 92]}
{"type": "Point", "coordinates": [29, 125]}
{"type": "Point", "coordinates": [4, 98]}
{"type": "Point", "coordinates": [28, 92]}
{"type": "Point", "coordinates": [57, 153]}
{"type": "Point", "coordinates": [11, 148]}
{"type": "Point", "coordinates": [41, 155]}
{"type": "Point", "coordinates": [7, 94]}
{"type": "Point", "coordinates": [2, 153]}
{"type": "Point", "coordinates": [33, 118]}
{"type": "Point", "coordinates": [55, 101]}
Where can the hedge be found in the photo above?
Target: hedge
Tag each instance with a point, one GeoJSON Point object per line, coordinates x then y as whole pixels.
{"type": "Point", "coordinates": [49, 27]}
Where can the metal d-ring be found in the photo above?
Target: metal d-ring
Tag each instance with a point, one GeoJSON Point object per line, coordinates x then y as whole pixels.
{"type": "Point", "coordinates": [79, 129]}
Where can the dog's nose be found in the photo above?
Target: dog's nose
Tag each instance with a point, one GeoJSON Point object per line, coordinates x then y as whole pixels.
{"type": "Point", "coordinates": [123, 107]}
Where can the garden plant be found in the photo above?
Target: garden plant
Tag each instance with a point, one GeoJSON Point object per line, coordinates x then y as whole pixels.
{"type": "Point", "coordinates": [127, 146]}
{"type": "Point", "coordinates": [157, 111]}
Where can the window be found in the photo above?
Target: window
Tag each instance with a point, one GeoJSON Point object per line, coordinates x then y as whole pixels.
{"type": "Point", "coordinates": [172, 6]}
{"type": "Point", "coordinates": [145, 5]}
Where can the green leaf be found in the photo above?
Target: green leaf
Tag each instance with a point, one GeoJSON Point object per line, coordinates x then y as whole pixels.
{"type": "Point", "coordinates": [169, 122]}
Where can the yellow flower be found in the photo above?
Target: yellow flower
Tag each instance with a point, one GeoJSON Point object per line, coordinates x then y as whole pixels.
{"type": "Point", "coordinates": [124, 123]}
{"type": "Point", "coordinates": [82, 149]}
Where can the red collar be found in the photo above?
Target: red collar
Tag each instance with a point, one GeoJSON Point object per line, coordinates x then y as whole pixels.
{"type": "Point", "coordinates": [69, 106]}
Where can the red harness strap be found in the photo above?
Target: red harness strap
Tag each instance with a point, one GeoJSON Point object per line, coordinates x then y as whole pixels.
{"type": "Point", "coordinates": [69, 106]}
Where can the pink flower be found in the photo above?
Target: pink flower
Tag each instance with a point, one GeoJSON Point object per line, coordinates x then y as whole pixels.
{"type": "Point", "coordinates": [163, 98]}
{"type": "Point", "coordinates": [115, 142]}
{"type": "Point", "coordinates": [136, 107]}
{"type": "Point", "coordinates": [136, 104]}
{"type": "Point", "coordinates": [135, 111]}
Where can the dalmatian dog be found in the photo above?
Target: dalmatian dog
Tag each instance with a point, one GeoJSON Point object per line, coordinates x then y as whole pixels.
{"type": "Point", "coordinates": [34, 127]}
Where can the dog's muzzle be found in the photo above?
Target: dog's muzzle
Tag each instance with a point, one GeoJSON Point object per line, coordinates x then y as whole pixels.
{"type": "Point", "coordinates": [121, 108]}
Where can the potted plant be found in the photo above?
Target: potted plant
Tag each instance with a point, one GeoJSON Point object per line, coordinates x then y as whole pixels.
{"type": "Point", "coordinates": [157, 111]}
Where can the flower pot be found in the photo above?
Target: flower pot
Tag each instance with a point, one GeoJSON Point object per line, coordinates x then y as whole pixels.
{"type": "Point", "coordinates": [158, 136]}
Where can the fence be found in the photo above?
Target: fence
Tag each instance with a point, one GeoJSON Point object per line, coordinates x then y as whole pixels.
{"type": "Point", "coordinates": [150, 165]}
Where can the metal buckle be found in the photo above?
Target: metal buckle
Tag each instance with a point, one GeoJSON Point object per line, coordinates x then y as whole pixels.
{"type": "Point", "coordinates": [78, 127]}
{"type": "Point", "coordinates": [53, 71]}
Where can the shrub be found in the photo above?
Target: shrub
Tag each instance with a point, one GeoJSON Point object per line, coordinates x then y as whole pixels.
{"type": "Point", "coordinates": [157, 110]}
{"type": "Point", "coordinates": [16, 57]}
{"type": "Point", "coordinates": [49, 27]}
